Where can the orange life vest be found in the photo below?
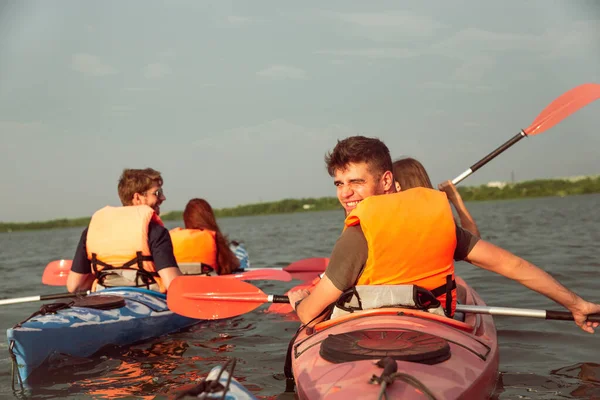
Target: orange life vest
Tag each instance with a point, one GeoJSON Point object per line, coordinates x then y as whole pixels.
{"type": "Point", "coordinates": [411, 238]}
{"type": "Point", "coordinates": [194, 246]}
{"type": "Point", "coordinates": [117, 240]}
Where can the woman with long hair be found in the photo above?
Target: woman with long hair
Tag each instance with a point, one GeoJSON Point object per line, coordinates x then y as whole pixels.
{"type": "Point", "coordinates": [202, 241]}
{"type": "Point", "coordinates": [410, 173]}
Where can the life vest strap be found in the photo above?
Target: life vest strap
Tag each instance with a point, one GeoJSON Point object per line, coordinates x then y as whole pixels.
{"type": "Point", "coordinates": [446, 288]}
{"type": "Point", "coordinates": [146, 277]}
{"type": "Point", "coordinates": [137, 260]}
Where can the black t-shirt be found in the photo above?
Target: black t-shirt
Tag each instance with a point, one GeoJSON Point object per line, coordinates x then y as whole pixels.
{"type": "Point", "coordinates": [350, 254]}
{"type": "Point", "coordinates": [159, 242]}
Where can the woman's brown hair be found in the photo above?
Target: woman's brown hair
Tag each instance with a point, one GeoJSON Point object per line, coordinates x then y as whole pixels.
{"type": "Point", "coordinates": [198, 214]}
{"type": "Point", "coordinates": [410, 173]}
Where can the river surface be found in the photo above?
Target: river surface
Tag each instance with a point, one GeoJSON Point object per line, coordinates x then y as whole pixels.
{"type": "Point", "coordinates": [538, 359]}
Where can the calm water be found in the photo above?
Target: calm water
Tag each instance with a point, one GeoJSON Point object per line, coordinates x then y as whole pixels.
{"type": "Point", "coordinates": [538, 359]}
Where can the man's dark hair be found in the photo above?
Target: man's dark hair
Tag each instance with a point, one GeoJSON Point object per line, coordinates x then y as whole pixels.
{"type": "Point", "coordinates": [357, 149]}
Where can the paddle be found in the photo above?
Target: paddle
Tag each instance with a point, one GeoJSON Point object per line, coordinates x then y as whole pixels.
{"type": "Point", "coordinates": [307, 269]}
{"type": "Point", "coordinates": [56, 272]}
{"type": "Point", "coordinates": [205, 298]}
{"type": "Point", "coordinates": [42, 298]}
{"type": "Point", "coordinates": [213, 298]}
{"type": "Point", "coordinates": [563, 106]}
{"type": "Point", "coordinates": [261, 274]}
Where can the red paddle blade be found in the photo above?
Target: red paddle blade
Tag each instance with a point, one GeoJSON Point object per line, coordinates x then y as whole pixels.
{"type": "Point", "coordinates": [563, 106]}
{"type": "Point", "coordinates": [213, 297]}
{"type": "Point", "coordinates": [56, 273]}
{"type": "Point", "coordinates": [261, 274]}
{"type": "Point", "coordinates": [308, 268]}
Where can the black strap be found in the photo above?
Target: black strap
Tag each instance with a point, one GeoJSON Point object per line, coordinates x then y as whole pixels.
{"type": "Point", "coordinates": [438, 291]}
{"type": "Point", "coordinates": [143, 278]}
{"type": "Point", "coordinates": [206, 269]}
{"type": "Point", "coordinates": [446, 289]}
{"type": "Point", "coordinates": [346, 297]}
{"type": "Point", "coordinates": [137, 260]}
{"type": "Point", "coordinates": [50, 308]}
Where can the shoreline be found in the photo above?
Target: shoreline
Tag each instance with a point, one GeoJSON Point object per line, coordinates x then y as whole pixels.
{"type": "Point", "coordinates": [495, 191]}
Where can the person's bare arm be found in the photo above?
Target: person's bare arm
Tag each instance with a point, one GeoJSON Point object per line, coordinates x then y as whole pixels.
{"type": "Point", "coordinates": [168, 274]}
{"type": "Point", "coordinates": [493, 258]}
{"type": "Point", "coordinates": [466, 220]}
{"type": "Point", "coordinates": [78, 282]}
{"type": "Point", "coordinates": [314, 303]}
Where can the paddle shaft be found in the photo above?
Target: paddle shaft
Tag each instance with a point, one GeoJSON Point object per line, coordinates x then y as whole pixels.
{"type": "Point", "coordinates": [278, 298]}
{"type": "Point", "coordinates": [523, 312]}
{"type": "Point", "coordinates": [505, 311]}
{"type": "Point", "coordinates": [42, 298]}
{"type": "Point", "coordinates": [489, 157]}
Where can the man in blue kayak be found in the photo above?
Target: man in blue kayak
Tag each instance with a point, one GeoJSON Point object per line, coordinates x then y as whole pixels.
{"type": "Point", "coordinates": [408, 238]}
{"type": "Point", "coordinates": [127, 246]}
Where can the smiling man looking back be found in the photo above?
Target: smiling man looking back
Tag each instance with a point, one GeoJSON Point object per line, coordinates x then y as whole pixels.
{"type": "Point", "coordinates": [127, 246]}
{"type": "Point", "coordinates": [409, 238]}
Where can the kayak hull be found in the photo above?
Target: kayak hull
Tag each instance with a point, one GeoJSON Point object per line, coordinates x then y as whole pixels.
{"type": "Point", "coordinates": [83, 331]}
{"type": "Point", "coordinates": [468, 370]}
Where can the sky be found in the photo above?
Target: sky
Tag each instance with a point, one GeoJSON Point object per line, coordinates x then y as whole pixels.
{"type": "Point", "coordinates": [238, 102]}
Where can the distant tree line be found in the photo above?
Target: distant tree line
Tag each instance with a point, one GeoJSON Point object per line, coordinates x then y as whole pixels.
{"type": "Point", "coordinates": [275, 207]}
{"type": "Point", "coordinates": [535, 188]}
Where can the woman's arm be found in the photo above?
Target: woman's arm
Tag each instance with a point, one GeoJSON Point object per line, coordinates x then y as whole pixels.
{"type": "Point", "coordinates": [466, 220]}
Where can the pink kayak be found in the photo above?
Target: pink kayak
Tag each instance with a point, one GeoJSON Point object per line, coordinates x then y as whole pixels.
{"type": "Point", "coordinates": [431, 357]}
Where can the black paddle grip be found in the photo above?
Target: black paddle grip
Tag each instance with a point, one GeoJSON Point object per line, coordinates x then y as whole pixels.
{"type": "Point", "coordinates": [499, 150]}
{"type": "Point", "coordinates": [567, 316]}
{"type": "Point", "coordinates": [61, 296]}
{"type": "Point", "coordinates": [278, 298]}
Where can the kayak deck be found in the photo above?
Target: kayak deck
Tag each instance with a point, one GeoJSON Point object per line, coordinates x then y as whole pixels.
{"type": "Point", "coordinates": [451, 359]}
{"type": "Point", "coordinates": [82, 331]}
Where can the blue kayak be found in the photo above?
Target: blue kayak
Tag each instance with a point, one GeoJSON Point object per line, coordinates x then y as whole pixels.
{"type": "Point", "coordinates": [115, 316]}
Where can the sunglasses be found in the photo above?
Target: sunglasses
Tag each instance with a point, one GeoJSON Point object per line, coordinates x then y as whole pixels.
{"type": "Point", "coordinates": [158, 192]}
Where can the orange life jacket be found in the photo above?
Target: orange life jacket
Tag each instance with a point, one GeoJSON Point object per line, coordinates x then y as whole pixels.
{"type": "Point", "coordinates": [117, 240]}
{"type": "Point", "coordinates": [194, 246]}
{"type": "Point", "coordinates": [411, 238]}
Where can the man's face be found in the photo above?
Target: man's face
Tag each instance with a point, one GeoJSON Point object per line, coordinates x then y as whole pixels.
{"type": "Point", "coordinates": [355, 183]}
{"type": "Point", "coordinates": [152, 197]}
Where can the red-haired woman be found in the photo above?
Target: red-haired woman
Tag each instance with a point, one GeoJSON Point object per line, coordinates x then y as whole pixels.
{"type": "Point", "coordinates": [201, 248]}
{"type": "Point", "coordinates": [410, 173]}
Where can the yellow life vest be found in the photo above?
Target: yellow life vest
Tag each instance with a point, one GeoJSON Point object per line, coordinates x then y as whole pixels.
{"type": "Point", "coordinates": [117, 246]}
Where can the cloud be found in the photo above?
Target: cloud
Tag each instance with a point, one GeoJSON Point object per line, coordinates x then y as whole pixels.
{"type": "Point", "coordinates": [282, 72]}
{"type": "Point", "coordinates": [239, 20]}
{"type": "Point", "coordinates": [121, 110]}
{"type": "Point", "coordinates": [581, 37]}
{"type": "Point", "coordinates": [456, 86]}
{"type": "Point", "coordinates": [90, 65]}
{"type": "Point", "coordinates": [140, 89]}
{"type": "Point", "coordinates": [471, 41]}
{"type": "Point", "coordinates": [169, 53]}
{"type": "Point", "coordinates": [474, 68]}
{"type": "Point", "coordinates": [387, 52]}
{"type": "Point", "coordinates": [385, 26]}
{"type": "Point", "coordinates": [264, 137]}
{"type": "Point", "coordinates": [156, 71]}
{"type": "Point", "coordinates": [23, 133]}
